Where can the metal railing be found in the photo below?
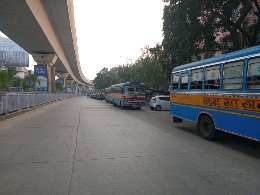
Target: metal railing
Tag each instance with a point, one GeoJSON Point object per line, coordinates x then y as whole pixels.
{"type": "Point", "coordinates": [11, 102]}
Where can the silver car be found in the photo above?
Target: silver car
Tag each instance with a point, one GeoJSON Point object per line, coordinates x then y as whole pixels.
{"type": "Point", "coordinates": [160, 102]}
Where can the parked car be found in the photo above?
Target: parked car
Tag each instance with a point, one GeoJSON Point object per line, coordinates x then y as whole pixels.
{"type": "Point", "coordinates": [160, 102]}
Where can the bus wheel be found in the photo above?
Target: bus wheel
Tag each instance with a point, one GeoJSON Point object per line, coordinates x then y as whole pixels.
{"type": "Point", "coordinates": [207, 128]}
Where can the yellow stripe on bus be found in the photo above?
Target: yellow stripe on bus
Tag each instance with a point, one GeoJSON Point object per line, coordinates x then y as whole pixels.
{"type": "Point", "coordinates": [230, 112]}
{"type": "Point", "coordinates": [252, 116]}
{"type": "Point", "coordinates": [237, 103]}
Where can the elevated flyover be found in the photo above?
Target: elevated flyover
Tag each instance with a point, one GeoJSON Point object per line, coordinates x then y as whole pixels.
{"type": "Point", "coordinates": [45, 29]}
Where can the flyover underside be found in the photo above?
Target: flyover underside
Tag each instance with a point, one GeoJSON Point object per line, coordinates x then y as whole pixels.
{"type": "Point", "coordinates": [44, 27]}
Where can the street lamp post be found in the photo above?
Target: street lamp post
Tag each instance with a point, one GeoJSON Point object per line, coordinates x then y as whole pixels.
{"type": "Point", "coordinates": [131, 64]}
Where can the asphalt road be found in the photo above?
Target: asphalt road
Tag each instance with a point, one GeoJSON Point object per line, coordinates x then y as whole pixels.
{"type": "Point", "coordinates": [86, 146]}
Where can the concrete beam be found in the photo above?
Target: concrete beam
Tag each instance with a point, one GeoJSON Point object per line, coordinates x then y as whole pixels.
{"type": "Point", "coordinates": [63, 75]}
{"type": "Point", "coordinates": [45, 58]}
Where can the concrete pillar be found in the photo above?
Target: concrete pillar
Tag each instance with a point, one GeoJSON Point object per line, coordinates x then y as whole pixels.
{"type": "Point", "coordinates": [51, 79]}
{"type": "Point", "coordinates": [49, 60]}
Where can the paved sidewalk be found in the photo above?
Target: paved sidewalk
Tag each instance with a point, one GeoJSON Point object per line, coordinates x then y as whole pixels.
{"type": "Point", "coordinates": [74, 146]}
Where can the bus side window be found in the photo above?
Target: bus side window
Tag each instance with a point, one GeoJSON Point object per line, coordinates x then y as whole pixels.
{"type": "Point", "coordinates": [174, 85]}
{"type": "Point", "coordinates": [184, 81]}
{"type": "Point", "coordinates": [196, 79]}
{"type": "Point", "coordinates": [253, 82]}
{"type": "Point", "coordinates": [175, 81]}
{"type": "Point", "coordinates": [196, 85]}
{"type": "Point", "coordinates": [212, 77]}
{"type": "Point", "coordinates": [253, 74]}
{"type": "Point", "coordinates": [232, 75]}
{"type": "Point", "coordinates": [212, 84]}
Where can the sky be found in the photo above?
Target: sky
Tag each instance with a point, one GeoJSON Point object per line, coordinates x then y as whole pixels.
{"type": "Point", "coordinates": [112, 33]}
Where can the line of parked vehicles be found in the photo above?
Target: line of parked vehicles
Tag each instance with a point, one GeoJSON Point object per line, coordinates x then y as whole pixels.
{"type": "Point", "coordinates": [131, 95]}
{"type": "Point", "coordinates": [212, 93]}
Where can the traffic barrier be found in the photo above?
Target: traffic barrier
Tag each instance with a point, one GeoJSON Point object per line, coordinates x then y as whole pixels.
{"type": "Point", "coordinates": [12, 102]}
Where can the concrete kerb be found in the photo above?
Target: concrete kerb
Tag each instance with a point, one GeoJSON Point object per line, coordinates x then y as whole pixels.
{"type": "Point", "coordinates": [28, 109]}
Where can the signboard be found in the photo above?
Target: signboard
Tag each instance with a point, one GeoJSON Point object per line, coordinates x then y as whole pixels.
{"type": "Point", "coordinates": [69, 88]}
{"type": "Point", "coordinates": [40, 71]}
{"type": "Point", "coordinates": [12, 54]}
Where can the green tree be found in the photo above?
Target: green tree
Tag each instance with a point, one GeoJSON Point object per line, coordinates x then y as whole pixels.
{"type": "Point", "coordinates": [29, 82]}
{"type": "Point", "coordinates": [146, 69]}
{"type": "Point", "coordinates": [25, 83]}
{"type": "Point", "coordinates": [125, 73]}
{"type": "Point", "coordinates": [113, 76]}
{"type": "Point", "coordinates": [101, 81]}
{"type": "Point", "coordinates": [197, 29]}
{"type": "Point", "coordinates": [17, 81]}
{"type": "Point", "coordinates": [150, 71]}
{"type": "Point", "coordinates": [59, 87]}
{"type": "Point", "coordinates": [6, 78]}
{"type": "Point", "coordinates": [34, 82]}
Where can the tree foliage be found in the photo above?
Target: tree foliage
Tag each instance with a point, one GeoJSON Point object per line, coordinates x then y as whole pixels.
{"type": "Point", "coordinates": [6, 78]}
{"type": "Point", "coordinates": [198, 29]}
{"type": "Point", "coordinates": [17, 81]}
{"type": "Point", "coordinates": [100, 82]}
{"type": "Point", "coordinates": [29, 83]}
{"type": "Point", "coordinates": [146, 69]}
{"type": "Point", "coordinates": [59, 87]}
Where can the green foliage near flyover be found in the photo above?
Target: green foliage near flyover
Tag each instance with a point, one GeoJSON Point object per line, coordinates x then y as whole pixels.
{"type": "Point", "coordinates": [7, 78]}
{"type": "Point", "coordinates": [29, 83]}
{"type": "Point", "coordinates": [146, 69]}
{"type": "Point", "coordinates": [59, 87]}
{"type": "Point", "coordinates": [198, 29]}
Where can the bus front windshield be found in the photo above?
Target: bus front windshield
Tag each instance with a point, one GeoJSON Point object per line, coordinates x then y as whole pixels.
{"type": "Point", "coordinates": [140, 90]}
{"type": "Point", "coordinates": [129, 90]}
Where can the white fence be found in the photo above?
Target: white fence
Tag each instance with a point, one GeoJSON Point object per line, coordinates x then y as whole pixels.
{"type": "Point", "coordinates": [11, 102]}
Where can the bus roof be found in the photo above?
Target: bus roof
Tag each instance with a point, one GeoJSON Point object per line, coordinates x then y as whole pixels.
{"type": "Point", "coordinates": [236, 55]}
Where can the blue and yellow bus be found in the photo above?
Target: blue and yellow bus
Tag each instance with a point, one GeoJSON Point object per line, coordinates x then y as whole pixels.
{"type": "Point", "coordinates": [220, 94]}
{"type": "Point", "coordinates": [107, 94]}
{"type": "Point", "coordinates": [128, 94]}
{"type": "Point", "coordinates": [93, 94]}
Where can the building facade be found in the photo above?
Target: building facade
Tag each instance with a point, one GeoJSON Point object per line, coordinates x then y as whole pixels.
{"type": "Point", "coordinates": [12, 54]}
